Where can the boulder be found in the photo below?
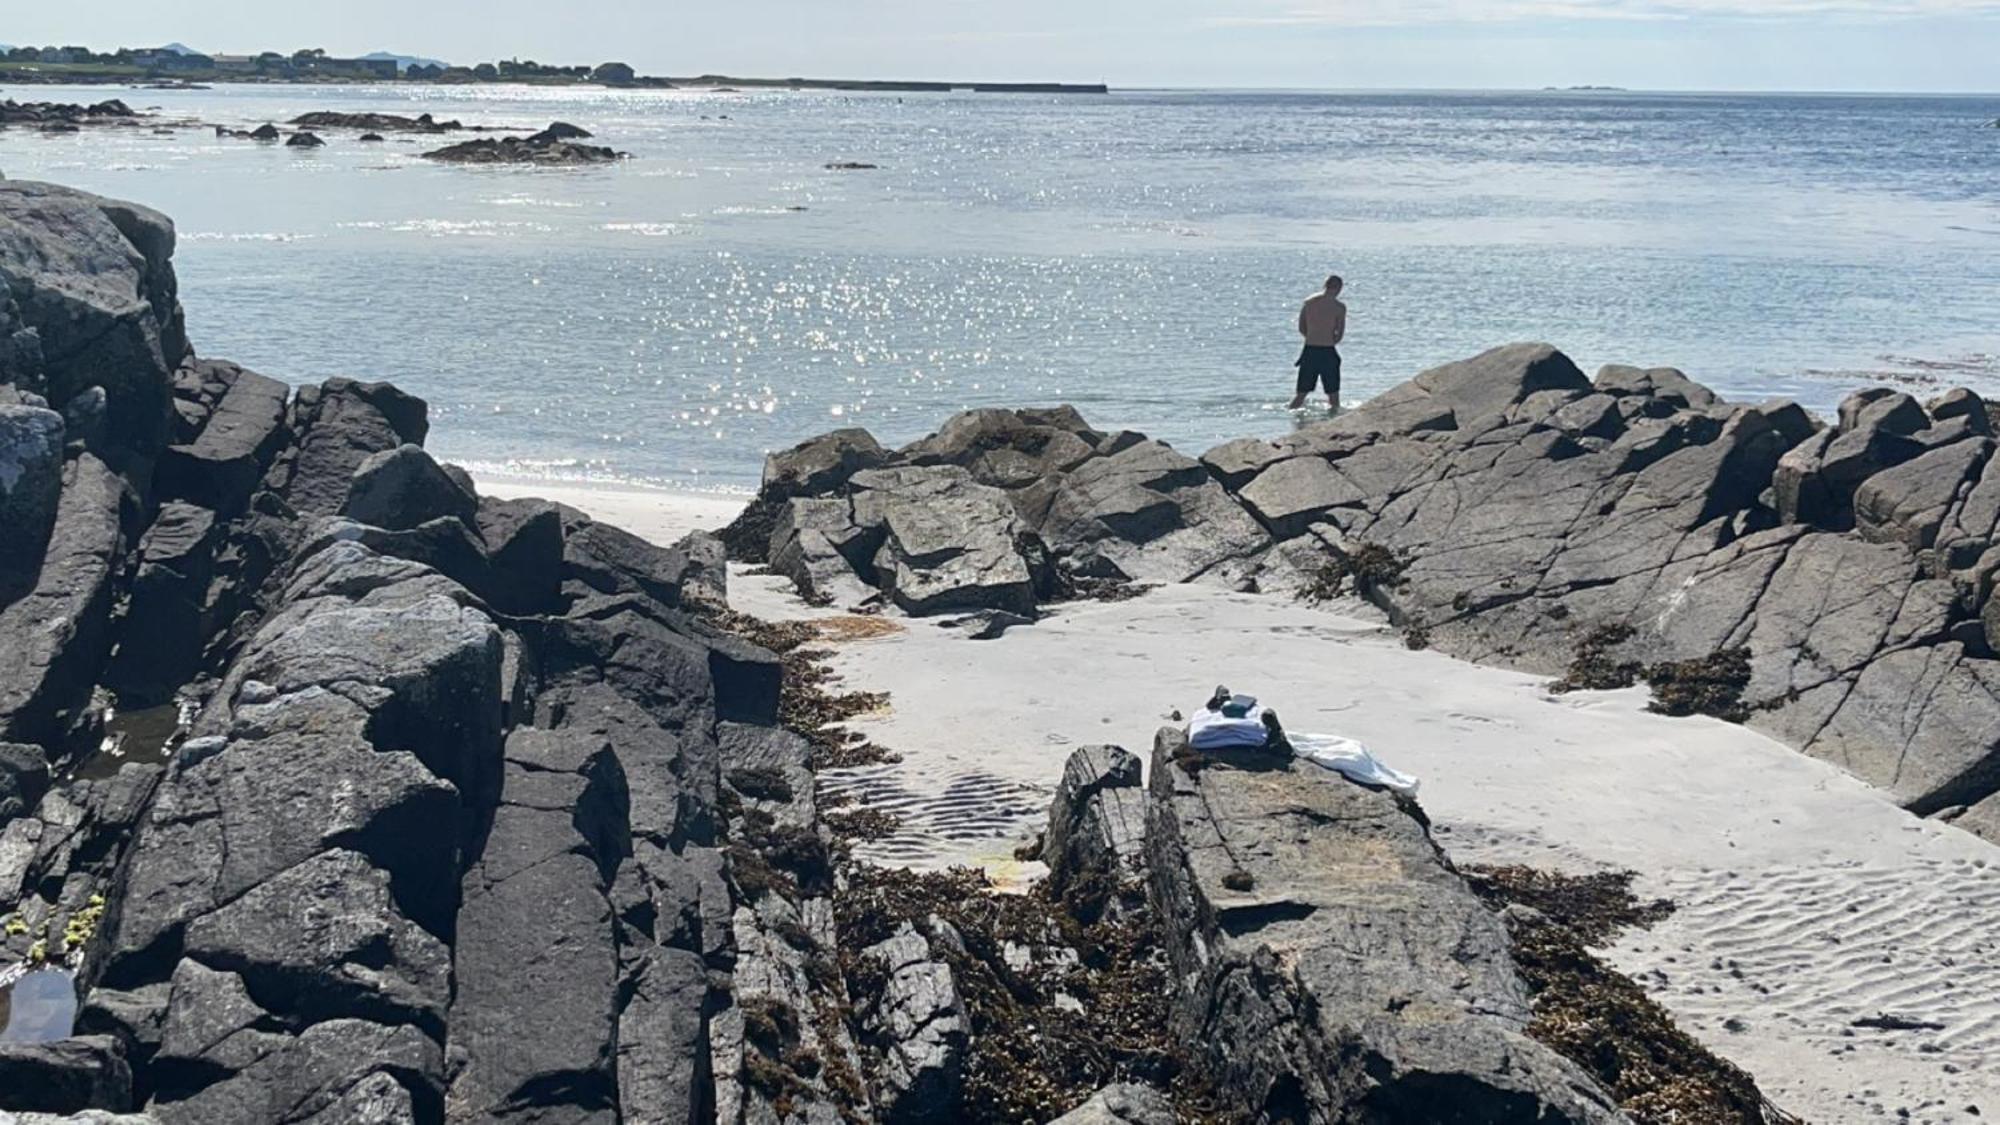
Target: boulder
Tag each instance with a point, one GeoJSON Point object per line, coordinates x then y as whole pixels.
{"type": "Point", "coordinates": [66, 1076]}
{"type": "Point", "coordinates": [1006, 448]}
{"type": "Point", "coordinates": [331, 1072]}
{"type": "Point", "coordinates": [324, 940]}
{"type": "Point", "coordinates": [819, 546]}
{"type": "Point", "coordinates": [60, 630]}
{"type": "Point", "coordinates": [1330, 964]}
{"type": "Point", "coordinates": [918, 1023]}
{"type": "Point", "coordinates": [303, 139]}
{"type": "Point", "coordinates": [1147, 513]}
{"type": "Point", "coordinates": [1816, 482]}
{"type": "Point", "coordinates": [162, 632]}
{"type": "Point", "coordinates": [1908, 504]}
{"type": "Point", "coordinates": [1488, 383]}
{"type": "Point", "coordinates": [536, 948]}
{"type": "Point", "coordinates": [220, 464]}
{"type": "Point", "coordinates": [821, 465]}
{"type": "Point", "coordinates": [524, 546]}
{"type": "Point", "coordinates": [31, 472]}
{"type": "Point", "coordinates": [1095, 842]}
{"type": "Point", "coordinates": [24, 777]}
{"type": "Point", "coordinates": [398, 489]}
{"type": "Point", "coordinates": [1962, 403]}
{"type": "Point", "coordinates": [336, 426]}
{"type": "Point", "coordinates": [1666, 386]}
{"type": "Point", "coordinates": [92, 278]}
{"type": "Point", "coordinates": [1123, 1104]}
{"type": "Point", "coordinates": [1290, 495]}
{"type": "Point", "coordinates": [949, 543]}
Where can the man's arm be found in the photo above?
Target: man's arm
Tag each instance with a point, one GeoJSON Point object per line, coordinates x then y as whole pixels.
{"type": "Point", "coordinates": [1340, 322]}
{"type": "Point", "coordinates": [1302, 318]}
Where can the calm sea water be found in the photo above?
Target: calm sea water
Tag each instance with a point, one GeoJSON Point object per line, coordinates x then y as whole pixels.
{"type": "Point", "coordinates": [1141, 255]}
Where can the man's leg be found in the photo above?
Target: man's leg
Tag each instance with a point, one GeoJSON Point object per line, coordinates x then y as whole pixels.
{"type": "Point", "coordinates": [1332, 381]}
{"type": "Point", "coordinates": [1305, 385]}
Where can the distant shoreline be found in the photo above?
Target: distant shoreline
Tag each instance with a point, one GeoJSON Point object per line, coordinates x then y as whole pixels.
{"type": "Point", "coordinates": [38, 75]}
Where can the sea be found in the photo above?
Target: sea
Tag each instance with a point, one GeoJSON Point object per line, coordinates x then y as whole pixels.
{"type": "Point", "coordinates": [722, 293]}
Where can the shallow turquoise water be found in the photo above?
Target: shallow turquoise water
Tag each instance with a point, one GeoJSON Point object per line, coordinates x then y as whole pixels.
{"type": "Point", "coordinates": [1141, 255]}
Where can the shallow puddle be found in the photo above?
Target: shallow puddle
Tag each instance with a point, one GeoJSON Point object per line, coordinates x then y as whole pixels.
{"type": "Point", "coordinates": [147, 735]}
{"type": "Point", "coordinates": [38, 1007]}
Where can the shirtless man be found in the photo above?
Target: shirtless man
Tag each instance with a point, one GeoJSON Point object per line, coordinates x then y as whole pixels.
{"type": "Point", "coordinates": [1323, 322]}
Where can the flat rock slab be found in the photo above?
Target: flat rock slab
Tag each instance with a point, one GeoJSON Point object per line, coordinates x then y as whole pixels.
{"type": "Point", "coordinates": [1334, 967]}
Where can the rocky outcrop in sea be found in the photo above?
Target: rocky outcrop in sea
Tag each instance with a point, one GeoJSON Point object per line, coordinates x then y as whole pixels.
{"type": "Point", "coordinates": [558, 145]}
{"type": "Point", "coordinates": [333, 791]}
{"type": "Point", "coordinates": [1829, 583]}
{"type": "Point", "coordinates": [66, 116]}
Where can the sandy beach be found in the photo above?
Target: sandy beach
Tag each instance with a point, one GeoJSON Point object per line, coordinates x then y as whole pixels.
{"type": "Point", "coordinates": [1807, 900]}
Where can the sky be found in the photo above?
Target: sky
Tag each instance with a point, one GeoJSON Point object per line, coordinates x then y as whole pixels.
{"type": "Point", "coordinates": [1835, 45]}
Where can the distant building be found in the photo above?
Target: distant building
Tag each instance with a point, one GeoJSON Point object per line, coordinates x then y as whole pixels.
{"type": "Point", "coordinates": [165, 58]}
{"type": "Point", "coordinates": [234, 64]}
{"type": "Point", "coordinates": [423, 72]}
{"type": "Point", "coordinates": [614, 74]}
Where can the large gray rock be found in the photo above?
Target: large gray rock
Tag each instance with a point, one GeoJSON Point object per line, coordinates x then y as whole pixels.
{"type": "Point", "coordinates": [1331, 966]}
{"type": "Point", "coordinates": [1908, 504]}
{"type": "Point", "coordinates": [59, 632]}
{"type": "Point", "coordinates": [821, 464]}
{"type": "Point", "coordinates": [1666, 386]}
{"type": "Point", "coordinates": [919, 1025]}
{"type": "Point", "coordinates": [398, 489]}
{"type": "Point", "coordinates": [31, 472]}
{"type": "Point", "coordinates": [92, 278]}
{"type": "Point", "coordinates": [818, 545]}
{"type": "Point", "coordinates": [335, 427]}
{"type": "Point", "coordinates": [237, 439]}
{"type": "Point", "coordinates": [1817, 481]}
{"type": "Point", "coordinates": [1487, 384]}
{"type": "Point", "coordinates": [536, 949]}
{"type": "Point", "coordinates": [24, 776]}
{"type": "Point", "coordinates": [1149, 513]}
{"type": "Point", "coordinates": [949, 542]}
{"type": "Point", "coordinates": [325, 940]}
{"type": "Point", "coordinates": [66, 1076]}
{"type": "Point", "coordinates": [1095, 842]}
{"type": "Point", "coordinates": [165, 626]}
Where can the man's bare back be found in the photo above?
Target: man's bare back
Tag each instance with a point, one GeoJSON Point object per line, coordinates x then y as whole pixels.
{"type": "Point", "coordinates": [1323, 322]}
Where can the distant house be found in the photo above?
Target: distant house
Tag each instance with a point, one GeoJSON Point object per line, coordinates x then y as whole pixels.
{"type": "Point", "coordinates": [424, 72]}
{"type": "Point", "coordinates": [614, 74]}
{"type": "Point", "coordinates": [234, 64]}
{"type": "Point", "coordinates": [166, 59]}
{"type": "Point", "coordinates": [374, 68]}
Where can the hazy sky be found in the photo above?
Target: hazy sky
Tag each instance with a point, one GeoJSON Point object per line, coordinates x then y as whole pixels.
{"type": "Point", "coordinates": [1936, 45]}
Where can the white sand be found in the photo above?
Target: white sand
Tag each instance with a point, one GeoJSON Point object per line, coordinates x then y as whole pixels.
{"type": "Point", "coordinates": [1807, 898]}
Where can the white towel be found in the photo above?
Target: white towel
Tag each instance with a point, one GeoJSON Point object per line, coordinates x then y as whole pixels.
{"type": "Point", "coordinates": [1213, 730]}
{"type": "Point", "coordinates": [1352, 760]}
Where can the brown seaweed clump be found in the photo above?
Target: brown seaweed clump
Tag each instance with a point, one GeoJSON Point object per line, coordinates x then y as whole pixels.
{"type": "Point", "coordinates": [1709, 685]}
{"type": "Point", "coordinates": [1076, 1007]}
{"type": "Point", "coordinates": [1593, 668]}
{"type": "Point", "coordinates": [1597, 1017]}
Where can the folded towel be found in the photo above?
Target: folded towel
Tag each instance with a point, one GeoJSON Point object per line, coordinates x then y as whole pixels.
{"type": "Point", "coordinates": [1210, 729]}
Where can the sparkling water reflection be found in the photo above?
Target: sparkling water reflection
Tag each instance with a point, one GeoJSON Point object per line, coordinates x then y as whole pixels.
{"type": "Point", "coordinates": [1140, 255]}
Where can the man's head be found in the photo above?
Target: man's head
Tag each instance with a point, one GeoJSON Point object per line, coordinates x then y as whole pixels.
{"type": "Point", "coordinates": [1334, 284]}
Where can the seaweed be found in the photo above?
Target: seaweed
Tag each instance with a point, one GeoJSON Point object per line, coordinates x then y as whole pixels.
{"type": "Point", "coordinates": [1593, 668]}
{"type": "Point", "coordinates": [1048, 1031]}
{"type": "Point", "coordinates": [1708, 685]}
{"type": "Point", "coordinates": [1599, 1018]}
{"type": "Point", "coordinates": [1368, 567]}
